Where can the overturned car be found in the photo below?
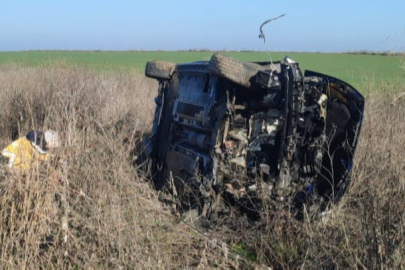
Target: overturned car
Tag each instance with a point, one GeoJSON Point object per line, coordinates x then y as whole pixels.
{"type": "Point", "coordinates": [252, 132]}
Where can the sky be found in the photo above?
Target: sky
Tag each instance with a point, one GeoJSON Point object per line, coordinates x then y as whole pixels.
{"type": "Point", "coordinates": [312, 25]}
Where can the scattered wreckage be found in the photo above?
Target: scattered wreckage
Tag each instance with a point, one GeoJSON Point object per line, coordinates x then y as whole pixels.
{"type": "Point", "coordinates": [253, 132]}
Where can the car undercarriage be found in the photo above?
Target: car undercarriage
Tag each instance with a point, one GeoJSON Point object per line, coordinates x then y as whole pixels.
{"type": "Point", "coordinates": [253, 131]}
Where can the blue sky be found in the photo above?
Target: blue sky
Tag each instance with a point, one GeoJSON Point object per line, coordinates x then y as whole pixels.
{"type": "Point", "coordinates": [312, 25]}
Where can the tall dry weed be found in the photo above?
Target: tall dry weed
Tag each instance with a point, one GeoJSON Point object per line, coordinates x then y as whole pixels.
{"type": "Point", "coordinates": [366, 229]}
{"type": "Point", "coordinates": [114, 219]}
{"type": "Point", "coordinates": [97, 213]}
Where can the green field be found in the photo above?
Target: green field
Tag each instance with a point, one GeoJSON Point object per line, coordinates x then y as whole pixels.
{"type": "Point", "coordinates": [365, 72]}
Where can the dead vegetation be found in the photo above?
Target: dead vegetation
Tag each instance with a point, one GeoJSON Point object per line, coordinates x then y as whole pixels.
{"type": "Point", "coordinates": [115, 219]}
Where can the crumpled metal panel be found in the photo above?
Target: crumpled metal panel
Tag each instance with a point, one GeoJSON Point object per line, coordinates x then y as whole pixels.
{"type": "Point", "coordinates": [196, 96]}
{"type": "Point", "coordinates": [183, 159]}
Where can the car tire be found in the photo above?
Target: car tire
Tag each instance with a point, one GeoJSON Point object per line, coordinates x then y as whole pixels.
{"type": "Point", "coordinates": [159, 70]}
{"type": "Point", "coordinates": [233, 69]}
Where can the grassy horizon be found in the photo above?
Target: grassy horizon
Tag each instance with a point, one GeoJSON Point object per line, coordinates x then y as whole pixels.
{"type": "Point", "coordinates": [366, 72]}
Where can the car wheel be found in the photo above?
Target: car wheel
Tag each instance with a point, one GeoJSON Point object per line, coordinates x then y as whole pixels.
{"type": "Point", "coordinates": [159, 70]}
{"type": "Point", "coordinates": [233, 69]}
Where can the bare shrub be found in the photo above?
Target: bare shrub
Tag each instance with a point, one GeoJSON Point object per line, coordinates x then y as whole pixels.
{"type": "Point", "coordinates": [97, 213]}
{"type": "Point", "coordinates": [366, 228]}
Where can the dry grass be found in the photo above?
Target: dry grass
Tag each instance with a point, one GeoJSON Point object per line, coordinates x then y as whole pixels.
{"type": "Point", "coordinates": [367, 228]}
{"type": "Point", "coordinates": [115, 219]}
